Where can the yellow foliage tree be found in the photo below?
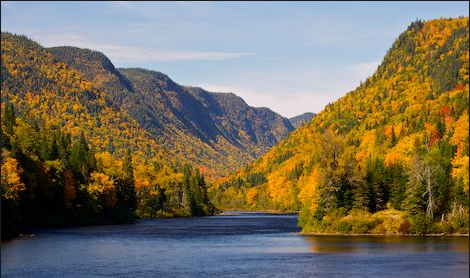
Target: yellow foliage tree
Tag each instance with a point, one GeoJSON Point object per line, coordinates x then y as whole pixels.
{"type": "Point", "coordinates": [460, 170]}
{"type": "Point", "coordinates": [460, 136]}
{"type": "Point", "coordinates": [308, 194]}
{"type": "Point", "coordinates": [251, 195]}
{"type": "Point", "coordinates": [101, 186]}
{"type": "Point", "coordinates": [11, 181]}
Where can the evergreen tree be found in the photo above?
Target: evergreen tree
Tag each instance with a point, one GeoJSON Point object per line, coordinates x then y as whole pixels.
{"type": "Point", "coordinates": [393, 138]}
{"type": "Point", "coordinates": [187, 198]}
{"type": "Point", "coordinates": [126, 186]}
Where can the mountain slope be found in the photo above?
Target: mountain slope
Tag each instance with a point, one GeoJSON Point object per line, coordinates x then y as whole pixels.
{"type": "Point", "coordinates": [47, 90]}
{"type": "Point", "coordinates": [216, 131]}
{"type": "Point", "coordinates": [392, 155]}
{"type": "Point", "coordinates": [71, 156]}
{"type": "Point", "coordinates": [299, 120]}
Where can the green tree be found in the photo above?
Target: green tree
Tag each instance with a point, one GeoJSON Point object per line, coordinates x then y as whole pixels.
{"type": "Point", "coordinates": [126, 185]}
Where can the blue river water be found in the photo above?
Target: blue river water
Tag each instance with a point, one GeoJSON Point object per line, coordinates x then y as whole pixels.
{"type": "Point", "coordinates": [236, 245]}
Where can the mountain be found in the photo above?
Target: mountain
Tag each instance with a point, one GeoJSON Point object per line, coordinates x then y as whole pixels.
{"type": "Point", "coordinates": [390, 156]}
{"type": "Point", "coordinates": [70, 155]}
{"type": "Point", "coordinates": [84, 142]}
{"type": "Point", "coordinates": [299, 120]}
{"type": "Point", "coordinates": [217, 132]}
{"type": "Point", "coordinates": [46, 91]}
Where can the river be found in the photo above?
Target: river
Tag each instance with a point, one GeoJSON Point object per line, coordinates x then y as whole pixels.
{"type": "Point", "coordinates": [237, 245]}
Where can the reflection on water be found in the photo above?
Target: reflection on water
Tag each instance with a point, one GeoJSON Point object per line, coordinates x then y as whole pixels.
{"type": "Point", "coordinates": [234, 245]}
{"type": "Point", "coordinates": [385, 244]}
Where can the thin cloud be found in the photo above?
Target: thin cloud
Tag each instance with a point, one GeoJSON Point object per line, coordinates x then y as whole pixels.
{"type": "Point", "coordinates": [125, 53]}
{"type": "Point", "coordinates": [139, 54]}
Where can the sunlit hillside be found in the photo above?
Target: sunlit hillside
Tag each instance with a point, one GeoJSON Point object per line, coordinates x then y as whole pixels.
{"type": "Point", "coordinates": [390, 156]}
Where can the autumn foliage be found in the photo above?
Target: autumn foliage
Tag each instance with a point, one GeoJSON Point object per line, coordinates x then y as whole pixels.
{"type": "Point", "coordinates": [395, 149]}
{"type": "Point", "coordinates": [69, 156]}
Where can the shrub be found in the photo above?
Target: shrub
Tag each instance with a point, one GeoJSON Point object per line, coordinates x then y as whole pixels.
{"type": "Point", "coordinates": [362, 226]}
{"type": "Point", "coordinates": [421, 224]}
{"type": "Point", "coordinates": [389, 221]}
{"type": "Point", "coordinates": [342, 226]}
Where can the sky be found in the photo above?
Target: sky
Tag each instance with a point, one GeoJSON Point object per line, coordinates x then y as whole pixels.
{"type": "Point", "coordinates": [292, 57]}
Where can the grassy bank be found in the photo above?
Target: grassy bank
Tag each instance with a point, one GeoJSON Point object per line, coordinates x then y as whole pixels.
{"type": "Point", "coordinates": [386, 222]}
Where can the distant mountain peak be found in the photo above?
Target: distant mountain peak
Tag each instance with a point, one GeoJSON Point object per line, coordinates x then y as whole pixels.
{"type": "Point", "coordinates": [299, 120]}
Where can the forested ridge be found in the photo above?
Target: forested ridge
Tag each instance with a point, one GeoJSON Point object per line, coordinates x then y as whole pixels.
{"type": "Point", "coordinates": [389, 157]}
{"type": "Point", "coordinates": [217, 132]}
{"type": "Point", "coordinates": [69, 156]}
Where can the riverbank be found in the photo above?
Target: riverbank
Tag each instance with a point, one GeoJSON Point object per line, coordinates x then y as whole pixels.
{"type": "Point", "coordinates": [382, 235]}
{"type": "Point", "coordinates": [241, 212]}
{"type": "Point", "coordinates": [274, 212]}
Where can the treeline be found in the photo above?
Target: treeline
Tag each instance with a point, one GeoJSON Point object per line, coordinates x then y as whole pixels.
{"type": "Point", "coordinates": [52, 179]}
{"type": "Point", "coordinates": [419, 195]}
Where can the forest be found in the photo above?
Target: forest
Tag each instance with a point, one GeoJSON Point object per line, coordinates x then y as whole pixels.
{"type": "Point", "coordinates": [390, 157]}
{"type": "Point", "coordinates": [50, 180]}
